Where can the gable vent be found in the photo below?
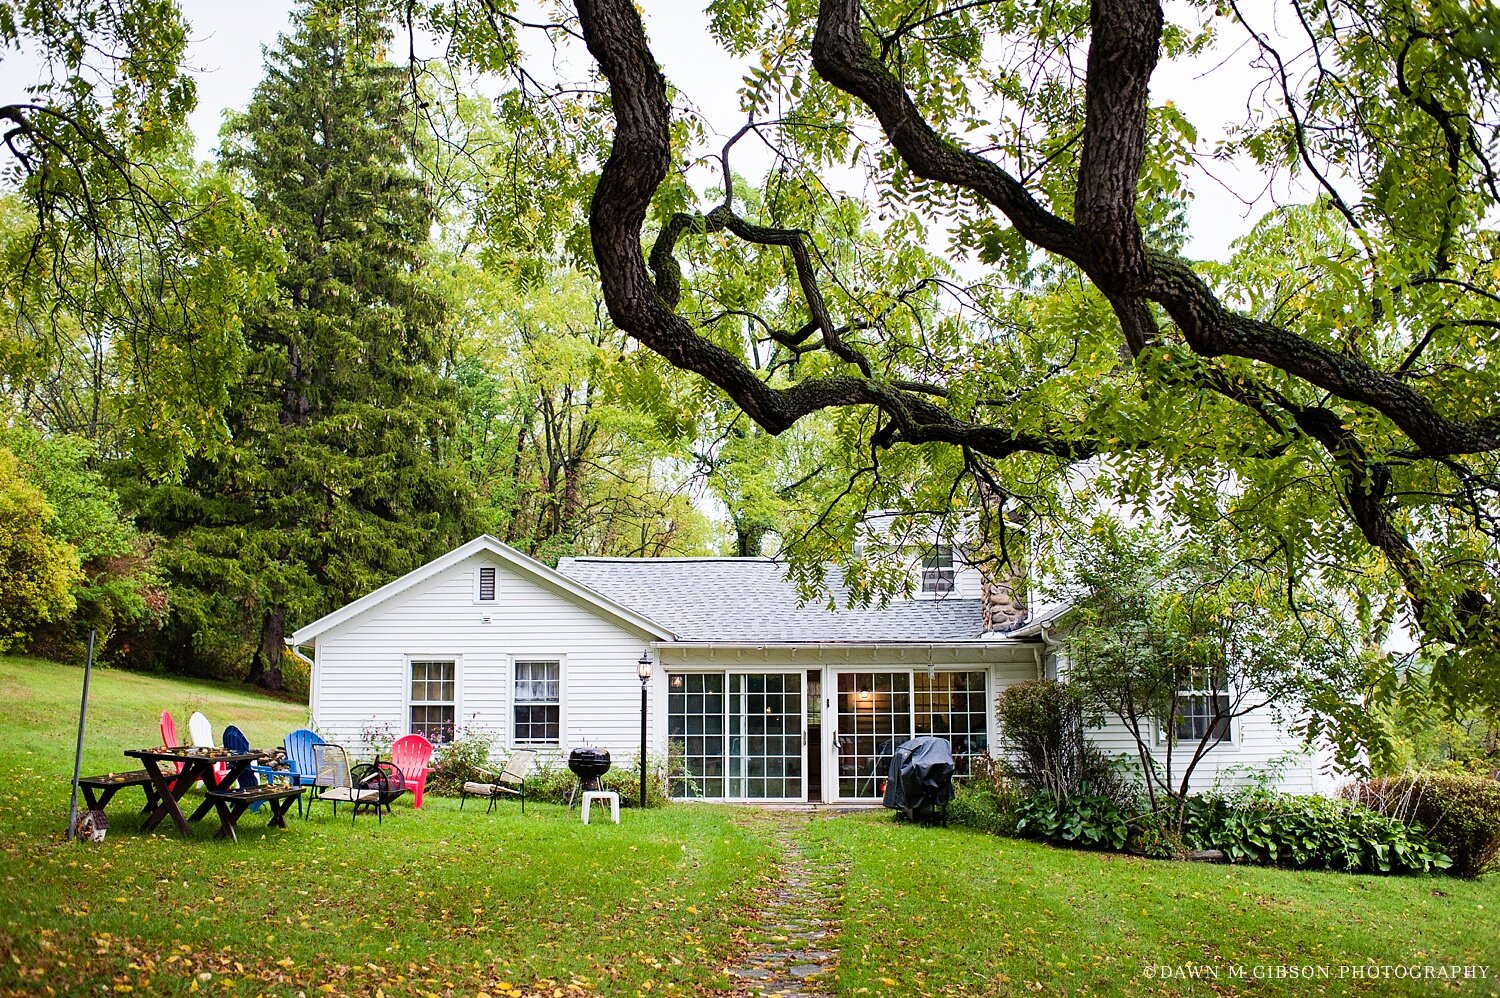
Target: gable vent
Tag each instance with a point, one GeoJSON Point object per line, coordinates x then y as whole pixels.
{"type": "Point", "coordinates": [486, 585]}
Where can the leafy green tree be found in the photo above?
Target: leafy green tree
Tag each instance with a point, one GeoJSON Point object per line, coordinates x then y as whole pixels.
{"type": "Point", "coordinates": [1427, 733]}
{"type": "Point", "coordinates": [39, 569]}
{"type": "Point", "coordinates": [131, 337]}
{"type": "Point", "coordinates": [561, 426]}
{"type": "Point", "coordinates": [1329, 390]}
{"type": "Point", "coordinates": [338, 475]}
{"type": "Point", "coordinates": [118, 583]}
{"type": "Point", "coordinates": [123, 266]}
{"type": "Point", "coordinates": [1177, 641]}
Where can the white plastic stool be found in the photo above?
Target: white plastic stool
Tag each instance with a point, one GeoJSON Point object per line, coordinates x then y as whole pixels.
{"type": "Point", "coordinates": [602, 795]}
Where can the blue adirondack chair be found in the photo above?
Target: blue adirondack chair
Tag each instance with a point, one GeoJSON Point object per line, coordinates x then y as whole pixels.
{"type": "Point", "coordinates": [235, 741]}
{"type": "Point", "coordinates": [303, 770]}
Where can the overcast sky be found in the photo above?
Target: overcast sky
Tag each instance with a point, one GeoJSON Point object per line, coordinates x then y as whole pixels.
{"type": "Point", "coordinates": [225, 55]}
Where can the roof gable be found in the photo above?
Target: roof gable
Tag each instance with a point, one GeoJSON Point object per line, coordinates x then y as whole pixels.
{"type": "Point", "coordinates": [522, 565]}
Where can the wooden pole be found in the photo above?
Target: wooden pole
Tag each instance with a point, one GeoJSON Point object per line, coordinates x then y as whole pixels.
{"type": "Point", "coordinates": [83, 713]}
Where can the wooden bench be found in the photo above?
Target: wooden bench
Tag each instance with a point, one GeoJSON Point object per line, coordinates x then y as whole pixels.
{"type": "Point", "coordinates": [231, 804]}
{"type": "Point", "coordinates": [98, 790]}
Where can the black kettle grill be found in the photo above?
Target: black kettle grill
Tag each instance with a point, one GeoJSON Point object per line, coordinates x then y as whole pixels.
{"type": "Point", "coordinates": [589, 765]}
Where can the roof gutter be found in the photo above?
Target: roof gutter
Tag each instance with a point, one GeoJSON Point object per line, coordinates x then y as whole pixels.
{"type": "Point", "coordinates": [975, 644]}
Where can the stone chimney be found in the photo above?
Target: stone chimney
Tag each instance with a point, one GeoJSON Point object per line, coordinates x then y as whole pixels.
{"type": "Point", "coordinates": [1002, 567]}
{"type": "Point", "coordinates": [1002, 593]}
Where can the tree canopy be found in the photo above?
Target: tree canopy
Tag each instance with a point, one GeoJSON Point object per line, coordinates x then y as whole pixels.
{"type": "Point", "coordinates": [963, 282]}
{"type": "Point", "coordinates": [1331, 389]}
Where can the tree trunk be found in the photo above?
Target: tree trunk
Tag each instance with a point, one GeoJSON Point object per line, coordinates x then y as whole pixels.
{"type": "Point", "coordinates": [748, 538]}
{"type": "Point", "coordinates": [265, 667]}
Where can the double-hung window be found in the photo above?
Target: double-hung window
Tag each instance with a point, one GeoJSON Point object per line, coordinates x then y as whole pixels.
{"type": "Point", "coordinates": [937, 570]}
{"type": "Point", "coordinates": [1203, 706]}
{"type": "Point", "coordinates": [433, 699]}
{"type": "Point", "coordinates": [538, 703]}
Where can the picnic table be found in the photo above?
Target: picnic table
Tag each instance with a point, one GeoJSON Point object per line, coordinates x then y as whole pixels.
{"type": "Point", "coordinates": [233, 803]}
{"type": "Point", "coordinates": [197, 764]}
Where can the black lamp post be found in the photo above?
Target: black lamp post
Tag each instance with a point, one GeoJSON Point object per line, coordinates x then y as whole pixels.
{"type": "Point", "coordinates": [643, 669]}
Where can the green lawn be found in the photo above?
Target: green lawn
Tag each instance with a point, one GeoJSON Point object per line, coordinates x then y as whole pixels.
{"type": "Point", "coordinates": [950, 911]}
{"type": "Point", "coordinates": [442, 902]}
{"type": "Point", "coordinates": [433, 901]}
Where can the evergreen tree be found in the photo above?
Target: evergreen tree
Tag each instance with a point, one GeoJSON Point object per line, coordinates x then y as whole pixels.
{"type": "Point", "coordinates": [336, 478]}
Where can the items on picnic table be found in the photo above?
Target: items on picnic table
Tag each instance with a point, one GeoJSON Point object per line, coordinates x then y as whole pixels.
{"type": "Point", "coordinates": [192, 763]}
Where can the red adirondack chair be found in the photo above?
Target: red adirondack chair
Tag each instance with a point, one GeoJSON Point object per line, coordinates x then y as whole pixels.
{"type": "Point", "coordinates": [169, 735]}
{"type": "Point", "coordinates": [411, 754]}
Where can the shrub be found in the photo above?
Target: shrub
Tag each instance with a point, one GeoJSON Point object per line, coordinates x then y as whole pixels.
{"type": "Point", "coordinates": [1459, 813]}
{"type": "Point", "coordinates": [1042, 723]}
{"type": "Point", "coordinates": [1082, 819]}
{"type": "Point", "coordinates": [987, 799]}
{"type": "Point", "coordinates": [466, 757]}
{"type": "Point", "coordinates": [376, 737]}
{"type": "Point", "coordinates": [1305, 832]}
{"type": "Point", "coordinates": [551, 780]}
{"type": "Point", "coordinates": [1148, 838]}
{"type": "Point", "coordinates": [626, 781]}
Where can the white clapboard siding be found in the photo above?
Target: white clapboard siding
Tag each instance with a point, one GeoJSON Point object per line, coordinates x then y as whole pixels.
{"type": "Point", "coordinates": [1261, 745]}
{"type": "Point", "coordinates": [362, 679]}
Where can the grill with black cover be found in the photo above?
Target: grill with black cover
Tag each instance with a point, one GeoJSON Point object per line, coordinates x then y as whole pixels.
{"type": "Point", "coordinates": [920, 782]}
{"type": "Point", "coordinates": [589, 765]}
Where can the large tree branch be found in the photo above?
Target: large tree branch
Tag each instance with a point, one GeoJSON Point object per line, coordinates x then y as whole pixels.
{"type": "Point", "coordinates": [638, 163]}
{"type": "Point", "coordinates": [1122, 54]}
{"type": "Point", "coordinates": [843, 57]}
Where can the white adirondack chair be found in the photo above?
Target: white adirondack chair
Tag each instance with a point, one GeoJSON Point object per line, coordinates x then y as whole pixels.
{"type": "Point", "coordinates": [202, 735]}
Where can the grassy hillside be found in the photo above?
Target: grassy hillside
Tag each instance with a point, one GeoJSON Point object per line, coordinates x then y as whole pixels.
{"type": "Point", "coordinates": [435, 901]}
{"type": "Point", "coordinates": [40, 711]}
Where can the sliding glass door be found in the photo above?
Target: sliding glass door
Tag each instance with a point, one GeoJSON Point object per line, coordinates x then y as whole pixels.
{"type": "Point", "coordinates": [740, 735]}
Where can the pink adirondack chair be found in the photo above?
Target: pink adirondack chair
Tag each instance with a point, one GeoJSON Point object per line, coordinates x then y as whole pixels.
{"type": "Point", "coordinates": [411, 754]}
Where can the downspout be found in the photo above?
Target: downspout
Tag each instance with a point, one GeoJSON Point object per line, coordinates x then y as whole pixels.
{"type": "Point", "coordinates": [1049, 643]}
{"type": "Point", "coordinates": [312, 680]}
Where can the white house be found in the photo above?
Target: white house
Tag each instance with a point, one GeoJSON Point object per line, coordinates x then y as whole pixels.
{"type": "Point", "coordinates": [768, 699]}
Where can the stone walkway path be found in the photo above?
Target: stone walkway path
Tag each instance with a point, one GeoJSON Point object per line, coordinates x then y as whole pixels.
{"type": "Point", "coordinates": [794, 946]}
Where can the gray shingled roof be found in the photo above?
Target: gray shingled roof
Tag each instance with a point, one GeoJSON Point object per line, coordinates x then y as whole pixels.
{"type": "Point", "coordinates": [751, 599]}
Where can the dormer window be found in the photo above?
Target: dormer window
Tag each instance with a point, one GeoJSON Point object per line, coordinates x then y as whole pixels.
{"type": "Point", "coordinates": [486, 585]}
{"type": "Point", "coordinates": [937, 570]}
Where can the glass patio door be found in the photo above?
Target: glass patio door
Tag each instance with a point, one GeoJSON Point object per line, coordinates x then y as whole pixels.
{"type": "Point", "coordinates": [874, 715]}
{"type": "Point", "coordinates": [766, 719]}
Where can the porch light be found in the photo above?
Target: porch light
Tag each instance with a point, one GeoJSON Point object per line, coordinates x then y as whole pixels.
{"type": "Point", "coordinates": [643, 666]}
{"type": "Point", "coordinates": [864, 694]}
